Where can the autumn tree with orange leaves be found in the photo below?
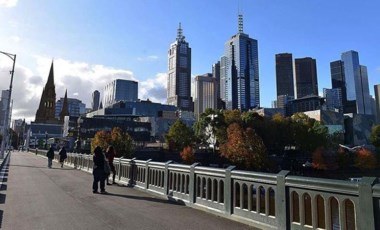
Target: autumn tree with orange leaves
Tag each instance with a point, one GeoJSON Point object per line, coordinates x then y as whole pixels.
{"type": "Point", "coordinates": [187, 155]}
{"type": "Point", "coordinates": [365, 159]}
{"type": "Point", "coordinates": [244, 147]}
{"type": "Point", "coordinates": [121, 141]}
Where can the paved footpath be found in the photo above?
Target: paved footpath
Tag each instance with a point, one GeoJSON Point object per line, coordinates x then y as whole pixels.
{"type": "Point", "coordinates": [33, 196]}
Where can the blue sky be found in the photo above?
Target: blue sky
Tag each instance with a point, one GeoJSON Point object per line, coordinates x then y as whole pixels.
{"type": "Point", "coordinates": [94, 42]}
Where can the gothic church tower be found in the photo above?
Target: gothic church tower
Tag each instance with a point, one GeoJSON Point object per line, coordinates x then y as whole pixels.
{"type": "Point", "coordinates": [46, 110]}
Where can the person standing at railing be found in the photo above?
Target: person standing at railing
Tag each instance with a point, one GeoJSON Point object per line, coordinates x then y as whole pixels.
{"type": "Point", "coordinates": [98, 171]}
{"type": "Point", "coordinates": [110, 154]}
{"type": "Point", "coordinates": [62, 155]}
{"type": "Point", "coordinates": [50, 156]}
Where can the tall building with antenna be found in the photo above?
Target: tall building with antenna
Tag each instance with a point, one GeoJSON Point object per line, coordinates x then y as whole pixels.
{"type": "Point", "coordinates": [239, 71]}
{"type": "Point", "coordinates": [179, 73]}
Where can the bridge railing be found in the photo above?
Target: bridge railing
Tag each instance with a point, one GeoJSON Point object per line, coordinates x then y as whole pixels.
{"type": "Point", "coordinates": [264, 200]}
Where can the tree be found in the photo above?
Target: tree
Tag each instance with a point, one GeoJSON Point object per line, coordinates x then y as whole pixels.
{"type": "Point", "coordinates": [244, 147]}
{"type": "Point", "coordinates": [121, 141]}
{"type": "Point", "coordinates": [365, 159]}
{"type": "Point", "coordinates": [179, 136]}
{"type": "Point", "coordinates": [102, 139]}
{"type": "Point", "coordinates": [319, 161]}
{"type": "Point", "coordinates": [375, 136]}
{"type": "Point", "coordinates": [187, 155]}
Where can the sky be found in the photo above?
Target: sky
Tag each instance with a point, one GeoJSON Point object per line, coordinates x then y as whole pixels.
{"type": "Point", "coordinates": [95, 42]}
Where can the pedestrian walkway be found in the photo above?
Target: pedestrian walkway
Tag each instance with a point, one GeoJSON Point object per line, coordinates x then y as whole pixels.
{"type": "Point", "coordinates": [35, 197]}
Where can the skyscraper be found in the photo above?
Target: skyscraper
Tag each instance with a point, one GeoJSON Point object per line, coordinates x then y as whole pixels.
{"type": "Point", "coordinates": [306, 77]}
{"type": "Point", "coordinates": [356, 82]}
{"type": "Point", "coordinates": [284, 74]}
{"type": "Point", "coordinates": [240, 71]}
{"type": "Point", "coordinates": [338, 81]}
{"type": "Point", "coordinates": [179, 73]}
{"type": "Point", "coordinates": [95, 100]}
{"type": "Point", "coordinates": [46, 110]}
{"type": "Point", "coordinates": [377, 99]}
{"type": "Point", "coordinates": [120, 90]}
{"type": "Point", "coordinates": [205, 93]}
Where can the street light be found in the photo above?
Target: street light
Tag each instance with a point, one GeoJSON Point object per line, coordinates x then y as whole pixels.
{"type": "Point", "coordinates": [46, 137]}
{"type": "Point", "coordinates": [6, 117]}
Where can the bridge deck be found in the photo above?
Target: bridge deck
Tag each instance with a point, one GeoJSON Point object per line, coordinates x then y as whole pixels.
{"type": "Point", "coordinates": [33, 196]}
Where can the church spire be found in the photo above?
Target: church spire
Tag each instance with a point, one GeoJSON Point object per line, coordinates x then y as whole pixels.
{"type": "Point", "coordinates": [46, 110]}
{"type": "Point", "coordinates": [65, 108]}
{"type": "Point", "coordinates": [50, 80]}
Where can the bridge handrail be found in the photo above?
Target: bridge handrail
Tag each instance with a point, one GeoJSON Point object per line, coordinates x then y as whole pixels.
{"type": "Point", "coordinates": [264, 200]}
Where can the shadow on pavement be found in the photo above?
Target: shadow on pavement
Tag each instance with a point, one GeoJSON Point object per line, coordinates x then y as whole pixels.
{"type": "Point", "coordinates": [150, 199]}
{"type": "Point", "coordinates": [29, 166]}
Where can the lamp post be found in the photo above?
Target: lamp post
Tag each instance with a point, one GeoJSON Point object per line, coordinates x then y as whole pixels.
{"type": "Point", "coordinates": [6, 117]}
{"type": "Point", "coordinates": [46, 137]}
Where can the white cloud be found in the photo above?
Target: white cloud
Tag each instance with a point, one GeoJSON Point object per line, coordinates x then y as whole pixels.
{"type": "Point", "coordinates": [148, 58]}
{"type": "Point", "coordinates": [15, 39]}
{"type": "Point", "coordinates": [154, 89]}
{"type": "Point", "coordinates": [79, 78]}
{"type": "Point", "coordinates": [8, 3]}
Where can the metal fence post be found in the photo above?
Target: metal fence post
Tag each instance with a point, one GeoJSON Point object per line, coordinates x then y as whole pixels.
{"type": "Point", "coordinates": [280, 200]}
{"type": "Point", "coordinates": [192, 184]}
{"type": "Point", "coordinates": [119, 169]}
{"type": "Point", "coordinates": [365, 212]}
{"type": "Point", "coordinates": [228, 191]}
{"type": "Point", "coordinates": [166, 178]}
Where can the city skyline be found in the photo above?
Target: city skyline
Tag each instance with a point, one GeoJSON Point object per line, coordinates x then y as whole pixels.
{"type": "Point", "coordinates": [109, 41]}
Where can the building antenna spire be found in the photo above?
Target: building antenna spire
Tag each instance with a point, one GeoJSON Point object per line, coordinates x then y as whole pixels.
{"type": "Point", "coordinates": [180, 36]}
{"type": "Point", "coordinates": [240, 23]}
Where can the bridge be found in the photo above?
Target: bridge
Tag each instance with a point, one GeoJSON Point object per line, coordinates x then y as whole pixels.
{"type": "Point", "coordinates": [166, 195]}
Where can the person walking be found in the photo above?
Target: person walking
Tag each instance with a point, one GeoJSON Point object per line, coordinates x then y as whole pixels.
{"type": "Point", "coordinates": [50, 156]}
{"type": "Point", "coordinates": [98, 171]}
{"type": "Point", "coordinates": [110, 154]}
{"type": "Point", "coordinates": [62, 155]}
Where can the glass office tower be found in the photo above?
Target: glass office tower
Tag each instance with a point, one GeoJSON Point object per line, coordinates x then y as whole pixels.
{"type": "Point", "coordinates": [284, 74]}
{"type": "Point", "coordinates": [356, 81]}
{"type": "Point", "coordinates": [240, 72]}
{"type": "Point", "coordinates": [306, 77]}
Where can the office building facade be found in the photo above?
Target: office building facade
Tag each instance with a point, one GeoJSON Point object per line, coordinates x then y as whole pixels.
{"type": "Point", "coordinates": [333, 99]}
{"type": "Point", "coordinates": [240, 72]}
{"type": "Point", "coordinates": [284, 74]}
{"type": "Point", "coordinates": [306, 77]}
{"type": "Point", "coordinates": [353, 76]}
{"type": "Point", "coordinates": [95, 100]}
{"type": "Point", "coordinates": [179, 74]}
{"type": "Point", "coordinates": [205, 93]}
{"type": "Point", "coordinates": [75, 107]}
{"type": "Point", "coordinates": [120, 90]}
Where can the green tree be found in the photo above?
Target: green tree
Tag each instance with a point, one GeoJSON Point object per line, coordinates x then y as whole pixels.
{"type": "Point", "coordinates": [375, 136]}
{"type": "Point", "coordinates": [179, 136]}
{"type": "Point", "coordinates": [122, 143]}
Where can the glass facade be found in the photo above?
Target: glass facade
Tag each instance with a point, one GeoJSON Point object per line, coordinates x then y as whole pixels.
{"type": "Point", "coordinates": [120, 90]}
{"type": "Point", "coordinates": [356, 82]}
{"type": "Point", "coordinates": [284, 74]}
{"type": "Point", "coordinates": [205, 93]}
{"type": "Point", "coordinates": [306, 77]}
{"type": "Point", "coordinates": [240, 73]}
{"type": "Point", "coordinates": [75, 106]}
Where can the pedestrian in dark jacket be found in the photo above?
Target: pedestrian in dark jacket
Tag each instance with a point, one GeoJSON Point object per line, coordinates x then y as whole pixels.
{"type": "Point", "coordinates": [62, 155]}
{"type": "Point", "coordinates": [110, 154]}
{"type": "Point", "coordinates": [50, 156]}
{"type": "Point", "coordinates": [98, 171]}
